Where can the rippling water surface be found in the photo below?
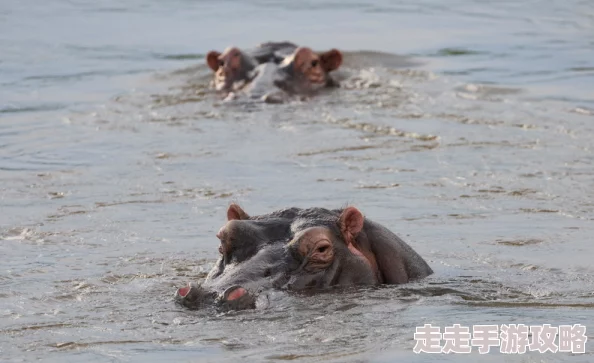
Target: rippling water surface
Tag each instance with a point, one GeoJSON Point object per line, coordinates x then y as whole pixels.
{"type": "Point", "coordinates": [465, 126]}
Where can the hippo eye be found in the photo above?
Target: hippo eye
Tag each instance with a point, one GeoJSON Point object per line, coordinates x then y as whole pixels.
{"type": "Point", "coordinates": [322, 249]}
{"type": "Point", "coordinates": [221, 250]}
{"type": "Point", "coordinates": [314, 63]}
{"type": "Point", "coordinates": [221, 63]}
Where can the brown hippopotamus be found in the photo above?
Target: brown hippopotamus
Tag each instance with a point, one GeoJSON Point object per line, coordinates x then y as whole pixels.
{"type": "Point", "coordinates": [283, 65]}
{"type": "Point", "coordinates": [297, 249]}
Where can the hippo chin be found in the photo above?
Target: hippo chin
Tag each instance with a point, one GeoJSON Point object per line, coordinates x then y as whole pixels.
{"type": "Point", "coordinates": [273, 70]}
{"type": "Point", "coordinates": [298, 249]}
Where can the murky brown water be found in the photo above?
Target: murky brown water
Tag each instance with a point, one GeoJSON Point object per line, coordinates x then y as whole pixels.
{"type": "Point", "coordinates": [474, 143]}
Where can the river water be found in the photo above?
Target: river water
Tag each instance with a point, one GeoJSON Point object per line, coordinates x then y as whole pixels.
{"type": "Point", "coordinates": [465, 126]}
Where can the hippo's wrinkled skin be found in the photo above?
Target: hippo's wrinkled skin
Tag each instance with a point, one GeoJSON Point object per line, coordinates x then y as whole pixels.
{"type": "Point", "coordinates": [273, 67]}
{"type": "Point", "coordinates": [297, 249]}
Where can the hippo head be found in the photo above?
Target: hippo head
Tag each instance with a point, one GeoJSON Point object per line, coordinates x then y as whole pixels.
{"type": "Point", "coordinates": [251, 257]}
{"type": "Point", "coordinates": [324, 252]}
{"type": "Point", "coordinates": [232, 68]}
{"type": "Point", "coordinates": [306, 71]}
{"type": "Point", "coordinates": [297, 249]}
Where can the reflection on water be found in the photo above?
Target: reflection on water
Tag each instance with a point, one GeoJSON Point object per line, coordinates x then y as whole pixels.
{"type": "Point", "coordinates": [117, 164]}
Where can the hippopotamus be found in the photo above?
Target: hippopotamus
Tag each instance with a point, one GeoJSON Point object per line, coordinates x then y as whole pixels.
{"type": "Point", "coordinates": [234, 68]}
{"type": "Point", "coordinates": [275, 66]}
{"type": "Point", "coordinates": [301, 249]}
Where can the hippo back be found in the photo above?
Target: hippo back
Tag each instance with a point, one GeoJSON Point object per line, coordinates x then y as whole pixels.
{"type": "Point", "coordinates": [273, 52]}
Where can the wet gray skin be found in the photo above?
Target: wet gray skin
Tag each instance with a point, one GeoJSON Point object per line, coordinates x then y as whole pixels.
{"type": "Point", "coordinates": [274, 52]}
{"type": "Point", "coordinates": [298, 249]}
{"type": "Point", "coordinates": [272, 71]}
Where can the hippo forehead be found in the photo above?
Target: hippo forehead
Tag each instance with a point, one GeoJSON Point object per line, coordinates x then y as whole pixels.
{"type": "Point", "coordinates": [272, 229]}
{"type": "Point", "coordinates": [232, 51]}
{"type": "Point", "coordinates": [300, 53]}
{"type": "Point", "coordinates": [281, 226]}
{"type": "Point", "coordinates": [287, 213]}
{"type": "Point", "coordinates": [314, 217]}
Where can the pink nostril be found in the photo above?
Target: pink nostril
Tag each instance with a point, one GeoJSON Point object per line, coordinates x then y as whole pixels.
{"type": "Point", "coordinates": [183, 291]}
{"type": "Point", "coordinates": [236, 294]}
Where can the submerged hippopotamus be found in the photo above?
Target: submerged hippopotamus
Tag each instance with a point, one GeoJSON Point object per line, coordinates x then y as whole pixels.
{"type": "Point", "coordinates": [273, 66]}
{"type": "Point", "coordinates": [298, 249]}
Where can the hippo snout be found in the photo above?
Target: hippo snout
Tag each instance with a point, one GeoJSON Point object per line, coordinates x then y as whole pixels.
{"type": "Point", "coordinates": [195, 296]}
{"type": "Point", "coordinates": [236, 298]}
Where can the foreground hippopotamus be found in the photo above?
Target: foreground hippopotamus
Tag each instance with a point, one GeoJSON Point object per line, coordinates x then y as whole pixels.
{"type": "Point", "coordinates": [277, 66]}
{"type": "Point", "coordinates": [298, 249]}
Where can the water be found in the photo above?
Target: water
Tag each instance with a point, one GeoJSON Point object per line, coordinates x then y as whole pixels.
{"type": "Point", "coordinates": [465, 127]}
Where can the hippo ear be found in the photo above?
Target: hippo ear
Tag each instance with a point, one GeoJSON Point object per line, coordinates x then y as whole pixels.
{"type": "Point", "coordinates": [351, 223]}
{"type": "Point", "coordinates": [212, 59]}
{"type": "Point", "coordinates": [235, 212]}
{"type": "Point", "coordinates": [331, 60]}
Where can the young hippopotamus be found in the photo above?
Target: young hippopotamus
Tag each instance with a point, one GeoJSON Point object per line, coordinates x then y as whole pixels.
{"type": "Point", "coordinates": [233, 68]}
{"type": "Point", "coordinates": [272, 67]}
{"type": "Point", "coordinates": [298, 249]}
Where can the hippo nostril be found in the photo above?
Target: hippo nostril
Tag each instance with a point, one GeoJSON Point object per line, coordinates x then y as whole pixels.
{"type": "Point", "coordinates": [194, 296]}
{"type": "Point", "coordinates": [234, 293]}
{"type": "Point", "coordinates": [183, 291]}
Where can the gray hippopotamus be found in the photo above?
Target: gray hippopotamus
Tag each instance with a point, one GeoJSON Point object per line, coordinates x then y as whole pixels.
{"type": "Point", "coordinates": [273, 66]}
{"type": "Point", "coordinates": [298, 249]}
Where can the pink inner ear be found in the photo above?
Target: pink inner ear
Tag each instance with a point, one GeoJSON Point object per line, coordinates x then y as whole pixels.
{"type": "Point", "coordinates": [183, 291]}
{"type": "Point", "coordinates": [235, 212]}
{"type": "Point", "coordinates": [331, 60]}
{"type": "Point", "coordinates": [232, 214]}
{"type": "Point", "coordinates": [236, 294]}
{"type": "Point", "coordinates": [352, 220]}
{"type": "Point", "coordinates": [212, 59]}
